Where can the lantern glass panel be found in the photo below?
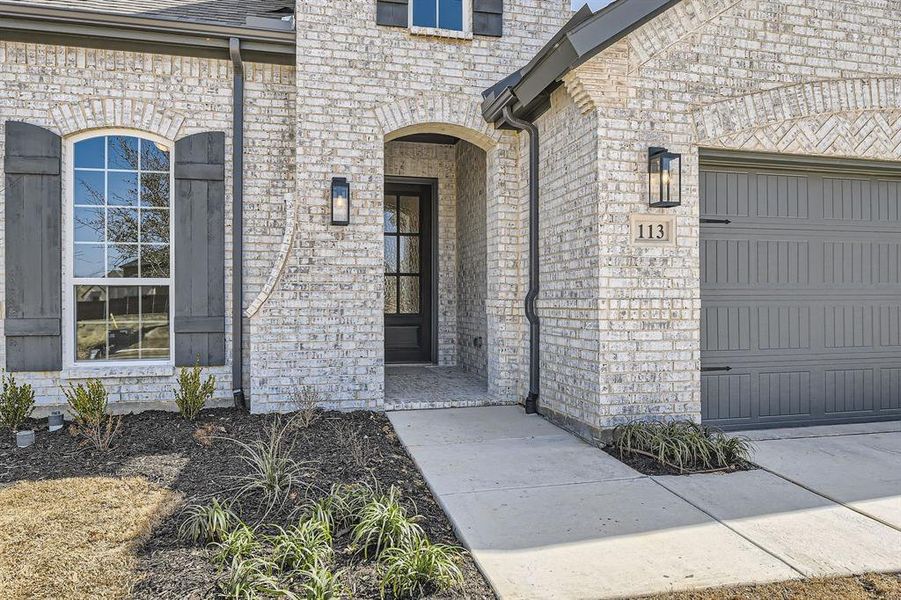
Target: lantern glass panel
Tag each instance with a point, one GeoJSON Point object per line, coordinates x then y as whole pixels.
{"type": "Point", "coordinates": [656, 181]}
{"type": "Point", "coordinates": [340, 203]}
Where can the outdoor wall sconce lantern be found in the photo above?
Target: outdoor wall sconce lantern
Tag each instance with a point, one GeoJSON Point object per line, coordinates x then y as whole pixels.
{"type": "Point", "coordinates": [665, 178]}
{"type": "Point", "coordinates": [340, 201]}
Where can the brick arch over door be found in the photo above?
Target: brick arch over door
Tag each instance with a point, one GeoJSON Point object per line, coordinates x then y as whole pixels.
{"type": "Point", "coordinates": [506, 229]}
{"type": "Point", "coordinates": [460, 116]}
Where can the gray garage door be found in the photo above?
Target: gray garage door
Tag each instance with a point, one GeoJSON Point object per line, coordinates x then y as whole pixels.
{"type": "Point", "coordinates": [801, 291]}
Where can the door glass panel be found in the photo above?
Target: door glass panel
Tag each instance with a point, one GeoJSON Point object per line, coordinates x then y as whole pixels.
{"type": "Point", "coordinates": [409, 295]}
{"type": "Point", "coordinates": [390, 295]}
{"type": "Point", "coordinates": [409, 254]}
{"type": "Point", "coordinates": [409, 214]}
{"type": "Point", "coordinates": [390, 214]}
{"type": "Point", "coordinates": [390, 254]}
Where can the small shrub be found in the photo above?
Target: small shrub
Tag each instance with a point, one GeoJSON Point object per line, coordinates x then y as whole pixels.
{"type": "Point", "coordinates": [322, 584]}
{"type": "Point", "coordinates": [306, 401]}
{"type": "Point", "coordinates": [271, 472]}
{"type": "Point", "coordinates": [238, 543]}
{"type": "Point", "coordinates": [16, 403]}
{"type": "Point", "coordinates": [356, 446]}
{"type": "Point", "coordinates": [253, 579]}
{"type": "Point", "coordinates": [308, 546]}
{"type": "Point", "coordinates": [682, 445]}
{"type": "Point", "coordinates": [193, 392]}
{"type": "Point", "coordinates": [419, 568]}
{"type": "Point", "coordinates": [208, 523]}
{"type": "Point", "coordinates": [89, 403]}
{"type": "Point", "coordinates": [384, 524]}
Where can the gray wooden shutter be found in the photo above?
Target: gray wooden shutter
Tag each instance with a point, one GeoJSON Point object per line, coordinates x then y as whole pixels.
{"type": "Point", "coordinates": [33, 217]}
{"type": "Point", "coordinates": [200, 249]}
{"type": "Point", "coordinates": [392, 13]}
{"type": "Point", "coordinates": [488, 17]}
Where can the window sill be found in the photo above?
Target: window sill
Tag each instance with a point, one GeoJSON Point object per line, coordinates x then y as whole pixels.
{"type": "Point", "coordinates": [442, 33]}
{"type": "Point", "coordinates": [114, 371]}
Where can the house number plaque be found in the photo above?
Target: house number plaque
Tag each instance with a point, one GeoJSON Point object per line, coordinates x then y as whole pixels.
{"type": "Point", "coordinates": [653, 230]}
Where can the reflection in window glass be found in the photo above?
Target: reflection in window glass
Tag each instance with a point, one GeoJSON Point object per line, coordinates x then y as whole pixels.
{"type": "Point", "coordinates": [90, 188]}
{"type": "Point", "coordinates": [122, 231]}
{"type": "Point", "coordinates": [90, 224]}
{"type": "Point", "coordinates": [122, 188]}
{"type": "Point", "coordinates": [122, 152]}
{"type": "Point", "coordinates": [121, 322]}
{"type": "Point", "coordinates": [89, 260]}
{"type": "Point", "coordinates": [90, 154]}
{"type": "Point", "coordinates": [90, 322]}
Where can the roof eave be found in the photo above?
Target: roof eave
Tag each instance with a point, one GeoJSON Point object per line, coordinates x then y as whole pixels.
{"type": "Point", "coordinates": [141, 34]}
{"type": "Point", "coordinates": [580, 40]}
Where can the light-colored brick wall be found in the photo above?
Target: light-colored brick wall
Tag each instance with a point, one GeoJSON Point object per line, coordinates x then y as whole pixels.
{"type": "Point", "coordinates": [436, 161]}
{"type": "Point", "coordinates": [568, 250]}
{"type": "Point", "coordinates": [805, 77]}
{"type": "Point", "coordinates": [69, 90]}
{"type": "Point", "coordinates": [357, 84]}
{"type": "Point", "coordinates": [472, 253]}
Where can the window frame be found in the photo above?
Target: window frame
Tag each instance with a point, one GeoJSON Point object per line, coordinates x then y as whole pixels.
{"type": "Point", "coordinates": [465, 33]}
{"type": "Point", "coordinates": [68, 276]}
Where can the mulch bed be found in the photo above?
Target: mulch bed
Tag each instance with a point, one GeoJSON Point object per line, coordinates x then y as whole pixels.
{"type": "Point", "coordinates": [649, 466]}
{"type": "Point", "coordinates": [192, 459]}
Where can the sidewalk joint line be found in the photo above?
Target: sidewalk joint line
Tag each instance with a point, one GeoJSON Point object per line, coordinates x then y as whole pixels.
{"type": "Point", "coordinates": [732, 529]}
{"type": "Point", "coordinates": [830, 498]}
{"type": "Point", "coordinates": [547, 485]}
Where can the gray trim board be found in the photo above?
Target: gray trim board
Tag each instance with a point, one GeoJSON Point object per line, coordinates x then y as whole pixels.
{"type": "Point", "coordinates": [715, 157]}
{"type": "Point", "coordinates": [73, 27]}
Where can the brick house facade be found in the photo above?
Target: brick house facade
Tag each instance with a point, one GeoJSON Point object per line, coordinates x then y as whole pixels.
{"type": "Point", "coordinates": [362, 96]}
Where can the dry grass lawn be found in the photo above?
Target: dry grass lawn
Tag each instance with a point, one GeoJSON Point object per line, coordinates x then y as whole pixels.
{"type": "Point", "coordinates": [864, 587]}
{"type": "Point", "coordinates": [76, 538]}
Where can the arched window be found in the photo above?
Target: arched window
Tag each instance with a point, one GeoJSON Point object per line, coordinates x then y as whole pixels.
{"type": "Point", "coordinates": [119, 271]}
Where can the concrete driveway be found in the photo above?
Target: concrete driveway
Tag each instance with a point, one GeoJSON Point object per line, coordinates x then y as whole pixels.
{"type": "Point", "coordinates": [858, 466]}
{"type": "Point", "coordinates": [547, 516]}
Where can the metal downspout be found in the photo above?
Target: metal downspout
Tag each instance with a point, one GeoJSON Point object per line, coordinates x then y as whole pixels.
{"type": "Point", "coordinates": [534, 287]}
{"type": "Point", "coordinates": [234, 48]}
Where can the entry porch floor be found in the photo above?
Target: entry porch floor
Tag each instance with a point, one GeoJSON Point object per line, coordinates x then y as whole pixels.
{"type": "Point", "coordinates": [546, 515]}
{"type": "Point", "coordinates": [409, 387]}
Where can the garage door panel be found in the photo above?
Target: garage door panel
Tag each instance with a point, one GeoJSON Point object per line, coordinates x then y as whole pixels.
{"type": "Point", "coordinates": [755, 328]}
{"type": "Point", "coordinates": [801, 296]}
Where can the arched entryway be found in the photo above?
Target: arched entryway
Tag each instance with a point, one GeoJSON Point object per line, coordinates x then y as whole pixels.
{"type": "Point", "coordinates": [436, 269]}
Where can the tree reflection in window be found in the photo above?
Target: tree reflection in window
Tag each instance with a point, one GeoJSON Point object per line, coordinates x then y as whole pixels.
{"type": "Point", "coordinates": [122, 225]}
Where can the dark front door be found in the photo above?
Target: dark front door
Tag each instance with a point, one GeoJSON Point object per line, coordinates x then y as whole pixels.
{"type": "Point", "coordinates": [408, 271]}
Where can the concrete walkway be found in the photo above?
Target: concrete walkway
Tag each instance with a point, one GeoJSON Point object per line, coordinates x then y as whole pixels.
{"type": "Point", "coordinates": [548, 516]}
